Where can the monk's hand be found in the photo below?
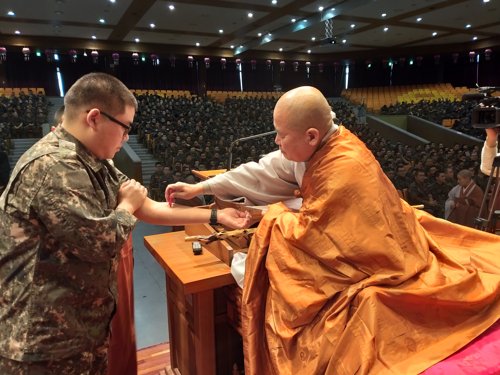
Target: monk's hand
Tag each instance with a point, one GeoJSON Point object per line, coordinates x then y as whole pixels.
{"type": "Point", "coordinates": [181, 190]}
{"type": "Point", "coordinates": [233, 218]}
{"type": "Point", "coordinates": [131, 195]}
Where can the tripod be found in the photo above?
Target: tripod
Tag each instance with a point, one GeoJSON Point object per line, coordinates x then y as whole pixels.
{"type": "Point", "coordinates": [488, 222]}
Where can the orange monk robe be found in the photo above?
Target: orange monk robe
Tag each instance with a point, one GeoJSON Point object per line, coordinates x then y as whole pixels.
{"type": "Point", "coordinates": [358, 282]}
{"type": "Point", "coordinates": [122, 353]}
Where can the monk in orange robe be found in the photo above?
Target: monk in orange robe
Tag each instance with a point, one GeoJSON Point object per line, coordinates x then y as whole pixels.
{"type": "Point", "coordinates": [357, 281]}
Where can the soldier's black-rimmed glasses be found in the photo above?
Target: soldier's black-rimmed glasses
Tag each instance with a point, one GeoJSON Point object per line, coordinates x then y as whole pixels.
{"type": "Point", "coordinates": [118, 122]}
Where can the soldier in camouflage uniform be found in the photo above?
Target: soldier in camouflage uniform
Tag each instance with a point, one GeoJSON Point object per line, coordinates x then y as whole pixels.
{"type": "Point", "coordinates": [64, 216]}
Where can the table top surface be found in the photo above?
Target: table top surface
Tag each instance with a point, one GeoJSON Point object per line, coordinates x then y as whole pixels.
{"type": "Point", "coordinates": [204, 175]}
{"type": "Point", "coordinates": [196, 273]}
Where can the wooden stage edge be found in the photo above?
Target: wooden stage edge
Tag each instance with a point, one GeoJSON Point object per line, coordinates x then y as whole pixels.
{"type": "Point", "coordinates": [155, 360]}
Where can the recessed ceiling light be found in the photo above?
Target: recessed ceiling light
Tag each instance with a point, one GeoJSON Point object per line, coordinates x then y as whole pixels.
{"type": "Point", "coordinates": [293, 20]}
{"type": "Point", "coordinates": [313, 38]}
{"type": "Point", "coordinates": [112, 1]}
{"type": "Point", "coordinates": [250, 15]}
{"type": "Point", "coordinates": [274, 2]}
{"type": "Point", "coordinates": [17, 32]}
{"type": "Point", "coordinates": [240, 46]}
{"type": "Point", "coordinates": [419, 19]}
{"type": "Point", "coordinates": [171, 7]}
{"type": "Point", "coordinates": [152, 25]}
{"type": "Point", "coordinates": [102, 20]}
{"type": "Point", "coordinates": [11, 13]}
{"type": "Point", "coordinates": [197, 44]}
{"type": "Point", "coordinates": [344, 41]}
{"type": "Point", "coordinates": [474, 38]}
{"type": "Point", "coordinates": [384, 14]}
{"type": "Point", "coordinates": [486, 1]}
{"type": "Point", "coordinates": [137, 40]}
{"type": "Point", "coordinates": [468, 26]}
{"type": "Point", "coordinates": [321, 8]}
{"type": "Point", "coordinates": [434, 33]}
{"type": "Point", "coordinates": [221, 31]}
{"type": "Point", "coordinates": [308, 51]}
{"type": "Point", "coordinates": [94, 37]}
{"type": "Point", "coordinates": [281, 49]}
{"type": "Point", "coordinates": [386, 28]}
{"type": "Point", "coordinates": [232, 46]}
{"type": "Point", "coordinates": [259, 34]}
{"type": "Point", "coordinates": [353, 26]}
{"type": "Point", "coordinates": [269, 34]}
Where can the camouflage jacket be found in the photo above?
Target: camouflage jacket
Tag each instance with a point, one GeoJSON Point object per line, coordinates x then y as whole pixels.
{"type": "Point", "coordinates": [60, 236]}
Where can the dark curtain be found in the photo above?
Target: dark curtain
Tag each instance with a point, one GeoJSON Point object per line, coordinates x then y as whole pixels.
{"type": "Point", "coordinates": [219, 79]}
{"type": "Point", "coordinates": [36, 72]}
{"type": "Point", "coordinates": [175, 73]}
{"type": "Point", "coordinates": [260, 77]}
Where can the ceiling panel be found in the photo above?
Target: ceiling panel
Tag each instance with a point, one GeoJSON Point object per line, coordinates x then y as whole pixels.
{"type": "Point", "coordinates": [199, 21]}
{"type": "Point", "coordinates": [88, 11]}
{"type": "Point", "coordinates": [458, 15]}
{"type": "Point", "coordinates": [55, 30]}
{"type": "Point", "coordinates": [197, 18]}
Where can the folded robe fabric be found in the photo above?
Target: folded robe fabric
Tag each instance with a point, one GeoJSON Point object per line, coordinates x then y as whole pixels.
{"type": "Point", "coordinates": [359, 282]}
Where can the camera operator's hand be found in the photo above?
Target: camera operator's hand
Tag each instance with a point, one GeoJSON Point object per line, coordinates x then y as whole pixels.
{"type": "Point", "coordinates": [491, 136]}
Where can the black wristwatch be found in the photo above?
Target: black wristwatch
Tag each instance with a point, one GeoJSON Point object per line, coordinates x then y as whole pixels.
{"type": "Point", "coordinates": [213, 216]}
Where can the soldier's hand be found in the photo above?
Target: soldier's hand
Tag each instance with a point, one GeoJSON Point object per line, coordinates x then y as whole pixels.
{"type": "Point", "coordinates": [131, 196]}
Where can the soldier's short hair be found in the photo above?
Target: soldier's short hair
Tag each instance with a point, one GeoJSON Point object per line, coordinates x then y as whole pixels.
{"type": "Point", "coordinates": [98, 90]}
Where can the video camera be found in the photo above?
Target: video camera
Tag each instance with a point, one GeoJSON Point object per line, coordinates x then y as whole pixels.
{"type": "Point", "coordinates": [487, 114]}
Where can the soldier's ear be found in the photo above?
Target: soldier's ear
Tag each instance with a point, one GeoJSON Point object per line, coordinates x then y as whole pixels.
{"type": "Point", "coordinates": [91, 118]}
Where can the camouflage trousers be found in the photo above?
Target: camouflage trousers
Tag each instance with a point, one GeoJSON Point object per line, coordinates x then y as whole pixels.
{"type": "Point", "coordinates": [85, 363]}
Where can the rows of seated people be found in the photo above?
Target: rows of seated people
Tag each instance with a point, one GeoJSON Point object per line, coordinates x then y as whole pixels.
{"type": "Point", "coordinates": [439, 111]}
{"type": "Point", "coordinates": [22, 116]}
{"type": "Point", "coordinates": [376, 97]}
{"type": "Point", "coordinates": [195, 133]}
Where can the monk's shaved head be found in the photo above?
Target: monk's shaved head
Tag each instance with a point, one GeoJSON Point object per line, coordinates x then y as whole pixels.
{"type": "Point", "coordinates": [303, 108]}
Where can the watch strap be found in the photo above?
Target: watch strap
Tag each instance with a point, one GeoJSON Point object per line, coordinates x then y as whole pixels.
{"type": "Point", "coordinates": [213, 216]}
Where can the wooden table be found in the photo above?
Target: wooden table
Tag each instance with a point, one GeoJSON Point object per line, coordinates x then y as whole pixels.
{"type": "Point", "coordinates": [201, 341]}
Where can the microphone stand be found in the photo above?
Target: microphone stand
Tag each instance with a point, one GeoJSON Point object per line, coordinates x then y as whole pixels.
{"type": "Point", "coordinates": [237, 141]}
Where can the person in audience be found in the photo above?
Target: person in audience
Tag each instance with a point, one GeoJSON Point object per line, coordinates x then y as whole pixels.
{"type": "Point", "coordinates": [450, 176]}
{"type": "Point", "coordinates": [418, 192]}
{"type": "Point", "coordinates": [155, 181]}
{"type": "Point", "coordinates": [439, 189]}
{"type": "Point", "coordinates": [4, 168]}
{"type": "Point", "coordinates": [400, 179]}
{"type": "Point", "coordinates": [355, 280]}
{"type": "Point", "coordinates": [58, 118]}
{"type": "Point", "coordinates": [464, 200]}
{"type": "Point", "coordinates": [64, 216]}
